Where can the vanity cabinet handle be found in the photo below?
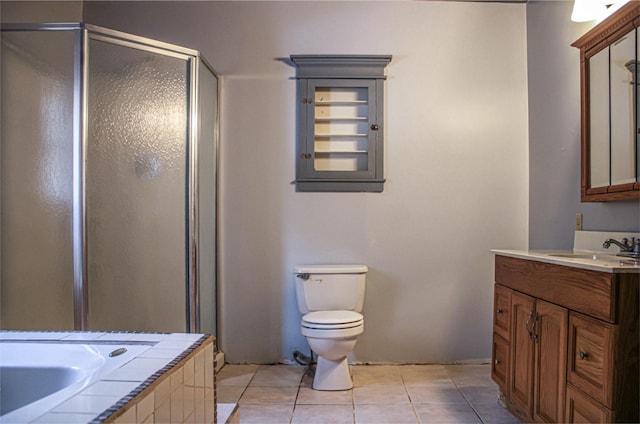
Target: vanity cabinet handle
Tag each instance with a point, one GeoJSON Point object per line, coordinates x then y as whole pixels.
{"type": "Point", "coordinates": [532, 331]}
{"type": "Point", "coordinates": [499, 311]}
{"type": "Point", "coordinates": [584, 355]}
{"type": "Point", "coordinates": [497, 362]}
{"type": "Point", "coordinates": [533, 328]}
{"type": "Point", "coordinates": [526, 325]}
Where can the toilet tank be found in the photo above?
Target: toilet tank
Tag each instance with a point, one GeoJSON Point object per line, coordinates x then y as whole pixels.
{"type": "Point", "coordinates": [330, 287]}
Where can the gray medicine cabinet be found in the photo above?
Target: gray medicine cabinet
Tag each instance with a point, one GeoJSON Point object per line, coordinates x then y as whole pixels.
{"type": "Point", "coordinates": [340, 122]}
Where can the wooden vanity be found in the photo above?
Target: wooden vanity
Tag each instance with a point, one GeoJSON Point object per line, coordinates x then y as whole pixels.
{"type": "Point", "coordinates": [566, 341]}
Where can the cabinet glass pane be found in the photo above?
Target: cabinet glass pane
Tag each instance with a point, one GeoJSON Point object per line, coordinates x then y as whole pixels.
{"type": "Point", "coordinates": [622, 122]}
{"type": "Point", "coordinates": [341, 129]}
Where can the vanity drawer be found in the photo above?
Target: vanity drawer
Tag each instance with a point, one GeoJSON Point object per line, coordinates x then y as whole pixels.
{"type": "Point", "coordinates": [582, 409]}
{"type": "Point", "coordinates": [501, 310]}
{"type": "Point", "coordinates": [500, 362]}
{"type": "Point", "coordinates": [589, 361]}
{"type": "Point", "coordinates": [589, 292]}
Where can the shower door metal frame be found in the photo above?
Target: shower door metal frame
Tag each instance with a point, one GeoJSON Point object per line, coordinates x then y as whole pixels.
{"type": "Point", "coordinates": [83, 33]}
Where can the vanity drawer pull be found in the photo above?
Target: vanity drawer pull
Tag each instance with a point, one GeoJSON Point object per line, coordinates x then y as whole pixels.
{"type": "Point", "coordinates": [499, 311]}
{"type": "Point", "coordinates": [584, 355]}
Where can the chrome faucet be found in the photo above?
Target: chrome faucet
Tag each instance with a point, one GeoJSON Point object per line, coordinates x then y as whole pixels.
{"type": "Point", "coordinates": [627, 247]}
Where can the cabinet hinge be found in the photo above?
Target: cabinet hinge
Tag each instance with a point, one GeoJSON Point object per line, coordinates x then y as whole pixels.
{"type": "Point", "coordinates": [306, 100]}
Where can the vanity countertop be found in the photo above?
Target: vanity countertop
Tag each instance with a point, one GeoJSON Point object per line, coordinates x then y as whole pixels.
{"type": "Point", "coordinates": [585, 259]}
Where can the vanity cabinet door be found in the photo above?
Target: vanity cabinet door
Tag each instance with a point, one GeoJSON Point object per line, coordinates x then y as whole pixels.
{"type": "Point", "coordinates": [550, 338]}
{"type": "Point", "coordinates": [522, 353]}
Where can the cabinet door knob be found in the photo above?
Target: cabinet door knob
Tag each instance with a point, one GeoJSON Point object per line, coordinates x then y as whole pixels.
{"type": "Point", "coordinates": [375, 127]}
{"type": "Point", "coordinates": [584, 355]}
{"type": "Point", "coordinates": [497, 362]}
{"type": "Point", "coordinates": [499, 311]}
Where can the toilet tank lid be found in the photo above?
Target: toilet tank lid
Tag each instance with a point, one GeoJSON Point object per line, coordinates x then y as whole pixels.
{"type": "Point", "coordinates": [330, 269]}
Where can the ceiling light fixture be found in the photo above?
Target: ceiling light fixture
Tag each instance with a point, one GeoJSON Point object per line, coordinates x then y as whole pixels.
{"type": "Point", "coordinates": [587, 10]}
{"type": "Point", "coordinates": [594, 10]}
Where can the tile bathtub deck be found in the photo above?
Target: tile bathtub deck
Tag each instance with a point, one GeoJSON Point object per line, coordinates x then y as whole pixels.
{"type": "Point", "coordinates": [394, 394]}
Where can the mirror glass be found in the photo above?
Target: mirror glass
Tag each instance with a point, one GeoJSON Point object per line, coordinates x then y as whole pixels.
{"type": "Point", "coordinates": [599, 118]}
{"type": "Point", "coordinates": [622, 57]}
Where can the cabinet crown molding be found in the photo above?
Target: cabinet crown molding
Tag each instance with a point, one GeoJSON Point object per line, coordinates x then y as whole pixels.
{"type": "Point", "coordinates": [340, 66]}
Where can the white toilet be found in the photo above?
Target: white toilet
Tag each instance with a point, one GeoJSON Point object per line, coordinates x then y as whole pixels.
{"type": "Point", "coordinates": [330, 297]}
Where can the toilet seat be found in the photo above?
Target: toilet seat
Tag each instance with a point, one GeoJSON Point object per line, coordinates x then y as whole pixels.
{"type": "Point", "coordinates": [332, 320]}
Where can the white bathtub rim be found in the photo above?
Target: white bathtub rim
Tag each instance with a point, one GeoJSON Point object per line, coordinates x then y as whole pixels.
{"type": "Point", "coordinates": [32, 411]}
{"type": "Point", "coordinates": [167, 346]}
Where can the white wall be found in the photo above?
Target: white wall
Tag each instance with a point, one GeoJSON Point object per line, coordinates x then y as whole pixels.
{"type": "Point", "coordinates": [456, 166]}
{"type": "Point", "coordinates": [41, 11]}
{"type": "Point", "coordinates": [554, 134]}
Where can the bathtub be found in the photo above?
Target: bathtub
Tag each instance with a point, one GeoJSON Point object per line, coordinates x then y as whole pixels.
{"type": "Point", "coordinates": [37, 376]}
{"type": "Point", "coordinates": [81, 377]}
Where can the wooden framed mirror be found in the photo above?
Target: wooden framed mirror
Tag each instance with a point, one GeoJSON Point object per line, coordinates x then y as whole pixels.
{"type": "Point", "coordinates": [610, 158]}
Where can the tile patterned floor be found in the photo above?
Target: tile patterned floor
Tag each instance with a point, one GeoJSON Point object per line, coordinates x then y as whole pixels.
{"type": "Point", "coordinates": [393, 394]}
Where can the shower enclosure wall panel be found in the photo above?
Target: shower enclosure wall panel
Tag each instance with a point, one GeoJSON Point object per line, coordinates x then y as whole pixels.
{"type": "Point", "coordinates": [36, 174]}
{"type": "Point", "coordinates": [108, 182]}
{"type": "Point", "coordinates": [206, 188]}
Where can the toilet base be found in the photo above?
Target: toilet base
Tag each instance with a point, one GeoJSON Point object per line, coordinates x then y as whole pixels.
{"type": "Point", "coordinates": [332, 375]}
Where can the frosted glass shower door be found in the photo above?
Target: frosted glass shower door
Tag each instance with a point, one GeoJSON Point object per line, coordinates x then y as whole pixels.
{"type": "Point", "coordinates": [136, 188]}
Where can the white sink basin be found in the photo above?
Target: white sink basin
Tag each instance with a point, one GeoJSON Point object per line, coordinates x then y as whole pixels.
{"type": "Point", "coordinates": [577, 256]}
{"type": "Point", "coordinates": [594, 258]}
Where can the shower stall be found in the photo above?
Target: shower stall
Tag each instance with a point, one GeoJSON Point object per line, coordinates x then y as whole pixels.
{"type": "Point", "coordinates": [108, 182]}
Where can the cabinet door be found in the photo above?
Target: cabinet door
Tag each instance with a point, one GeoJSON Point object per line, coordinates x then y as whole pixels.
{"type": "Point", "coordinates": [521, 371]}
{"type": "Point", "coordinates": [550, 337]}
{"type": "Point", "coordinates": [501, 310]}
{"type": "Point", "coordinates": [342, 129]}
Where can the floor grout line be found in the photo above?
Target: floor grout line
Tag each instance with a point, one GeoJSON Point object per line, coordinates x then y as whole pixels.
{"type": "Point", "coordinates": [473, 408]}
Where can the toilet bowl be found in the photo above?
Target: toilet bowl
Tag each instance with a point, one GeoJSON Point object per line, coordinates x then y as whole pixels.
{"type": "Point", "coordinates": [330, 298]}
{"type": "Point", "coordinates": [332, 335]}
